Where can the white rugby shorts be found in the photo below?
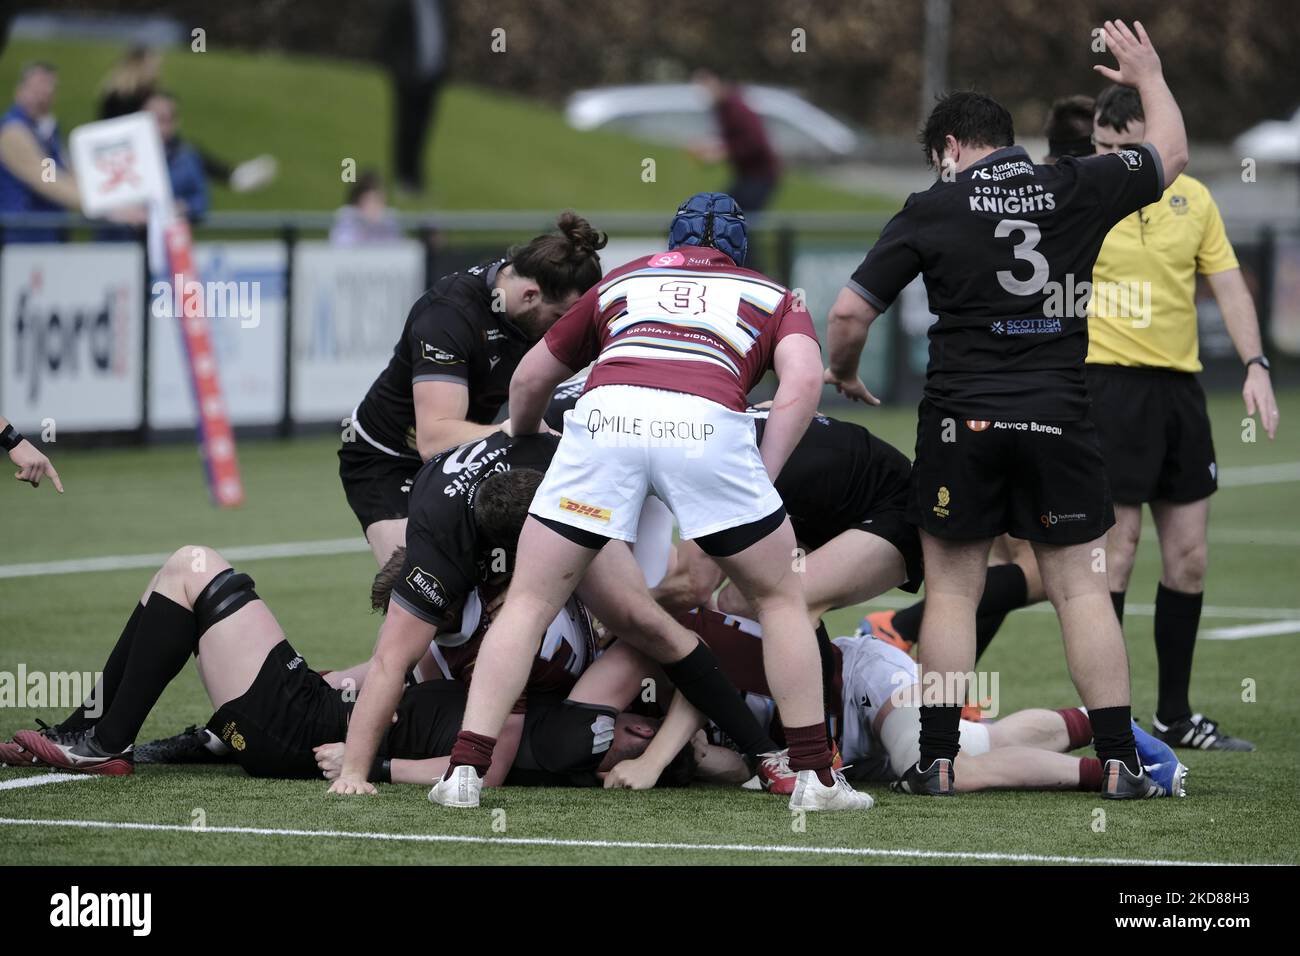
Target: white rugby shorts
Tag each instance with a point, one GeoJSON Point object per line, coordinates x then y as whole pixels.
{"type": "Point", "coordinates": [624, 442]}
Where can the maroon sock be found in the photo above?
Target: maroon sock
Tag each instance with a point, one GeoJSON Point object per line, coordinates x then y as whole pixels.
{"type": "Point", "coordinates": [471, 749]}
{"type": "Point", "coordinates": [808, 751]}
{"type": "Point", "coordinates": [1089, 773]}
{"type": "Point", "coordinates": [1077, 725]}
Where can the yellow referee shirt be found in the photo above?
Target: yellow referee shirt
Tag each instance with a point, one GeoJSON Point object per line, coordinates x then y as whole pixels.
{"type": "Point", "coordinates": [1142, 311]}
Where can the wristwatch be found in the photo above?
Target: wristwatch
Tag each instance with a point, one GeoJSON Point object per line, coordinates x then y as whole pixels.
{"type": "Point", "coordinates": [1258, 360]}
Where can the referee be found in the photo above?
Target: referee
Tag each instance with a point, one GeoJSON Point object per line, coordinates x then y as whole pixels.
{"type": "Point", "coordinates": [1149, 408]}
{"type": "Point", "coordinates": [450, 370]}
{"type": "Point", "coordinates": [1003, 440]}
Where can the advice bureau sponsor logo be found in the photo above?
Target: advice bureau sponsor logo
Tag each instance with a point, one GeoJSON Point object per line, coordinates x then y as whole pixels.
{"type": "Point", "coordinates": [428, 587]}
{"type": "Point", "coordinates": [587, 511]}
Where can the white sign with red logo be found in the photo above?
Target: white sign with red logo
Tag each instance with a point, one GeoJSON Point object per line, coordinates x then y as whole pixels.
{"type": "Point", "coordinates": [70, 327]}
{"type": "Point", "coordinates": [120, 162]}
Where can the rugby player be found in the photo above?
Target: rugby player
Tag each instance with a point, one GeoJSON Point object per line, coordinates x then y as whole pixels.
{"type": "Point", "coordinates": [451, 369]}
{"type": "Point", "coordinates": [1012, 579]}
{"type": "Point", "coordinates": [1004, 443]}
{"type": "Point", "coordinates": [32, 464]}
{"type": "Point", "coordinates": [1147, 361]}
{"type": "Point", "coordinates": [678, 338]}
{"type": "Point", "coordinates": [276, 717]}
{"type": "Point", "coordinates": [845, 491]}
{"type": "Point", "coordinates": [456, 540]}
{"type": "Point", "coordinates": [876, 723]}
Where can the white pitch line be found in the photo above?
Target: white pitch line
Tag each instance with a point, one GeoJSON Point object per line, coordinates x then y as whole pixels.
{"type": "Point", "coordinates": [126, 562]}
{"type": "Point", "coordinates": [1267, 629]}
{"type": "Point", "coordinates": [990, 857]}
{"type": "Point", "coordinates": [1280, 473]}
{"type": "Point", "coordinates": [1134, 610]}
{"type": "Point", "coordinates": [41, 780]}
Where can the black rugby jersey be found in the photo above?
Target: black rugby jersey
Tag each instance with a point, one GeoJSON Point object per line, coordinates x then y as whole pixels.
{"type": "Point", "coordinates": [452, 334]}
{"type": "Point", "coordinates": [1006, 251]}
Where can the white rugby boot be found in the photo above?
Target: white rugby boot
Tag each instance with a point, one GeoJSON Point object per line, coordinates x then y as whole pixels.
{"type": "Point", "coordinates": [461, 789]}
{"type": "Point", "coordinates": [811, 794]}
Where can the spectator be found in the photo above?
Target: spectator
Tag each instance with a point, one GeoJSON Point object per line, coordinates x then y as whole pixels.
{"type": "Point", "coordinates": [34, 177]}
{"type": "Point", "coordinates": [129, 84]}
{"type": "Point", "coordinates": [366, 218]}
{"type": "Point", "coordinates": [414, 46]}
{"type": "Point", "coordinates": [755, 170]}
{"type": "Point", "coordinates": [184, 164]}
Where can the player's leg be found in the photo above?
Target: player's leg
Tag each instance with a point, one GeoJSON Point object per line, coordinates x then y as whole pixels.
{"type": "Point", "coordinates": [1026, 768]}
{"type": "Point", "coordinates": [385, 537]}
{"type": "Point", "coordinates": [166, 635]}
{"type": "Point", "coordinates": [955, 572]}
{"type": "Point", "coordinates": [764, 571]}
{"type": "Point", "coordinates": [1056, 730]}
{"type": "Point", "coordinates": [1182, 529]}
{"type": "Point", "coordinates": [852, 567]}
{"type": "Point", "coordinates": [1121, 553]}
{"type": "Point", "coordinates": [1012, 582]}
{"type": "Point", "coordinates": [548, 566]}
{"type": "Point", "coordinates": [613, 592]}
{"type": "Point", "coordinates": [1094, 646]}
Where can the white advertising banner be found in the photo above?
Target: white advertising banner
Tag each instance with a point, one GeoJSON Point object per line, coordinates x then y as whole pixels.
{"type": "Point", "coordinates": [349, 306]}
{"type": "Point", "coordinates": [70, 327]}
{"type": "Point", "coordinates": [243, 290]}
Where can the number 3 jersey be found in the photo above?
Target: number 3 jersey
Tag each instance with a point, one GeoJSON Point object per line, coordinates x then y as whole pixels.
{"type": "Point", "coordinates": [446, 557]}
{"type": "Point", "coordinates": [1006, 250]}
{"type": "Point", "coordinates": [689, 320]}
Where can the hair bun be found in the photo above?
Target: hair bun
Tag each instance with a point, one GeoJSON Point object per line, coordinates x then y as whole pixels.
{"type": "Point", "coordinates": [583, 238]}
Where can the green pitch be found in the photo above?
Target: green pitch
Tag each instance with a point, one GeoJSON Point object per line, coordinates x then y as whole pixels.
{"type": "Point", "coordinates": [1240, 808]}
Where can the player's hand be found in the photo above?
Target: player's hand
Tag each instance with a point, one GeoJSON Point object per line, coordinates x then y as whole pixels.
{"type": "Point", "coordinates": [637, 774]}
{"type": "Point", "coordinates": [851, 388]}
{"type": "Point", "coordinates": [1137, 59]}
{"type": "Point", "coordinates": [329, 757]}
{"type": "Point", "coordinates": [349, 787]}
{"type": "Point", "coordinates": [1258, 393]}
{"type": "Point", "coordinates": [33, 465]}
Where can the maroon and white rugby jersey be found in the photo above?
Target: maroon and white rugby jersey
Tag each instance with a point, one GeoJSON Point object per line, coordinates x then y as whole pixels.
{"type": "Point", "coordinates": [688, 321]}
{"type": "Point", "coordinates": [567, 649]}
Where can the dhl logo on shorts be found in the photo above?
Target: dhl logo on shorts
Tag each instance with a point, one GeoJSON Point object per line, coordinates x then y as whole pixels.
{"type": "Point", "coordinates": [587, 511]}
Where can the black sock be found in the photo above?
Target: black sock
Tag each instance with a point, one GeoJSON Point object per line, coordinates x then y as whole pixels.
{"type": "Point", "coordinates": [1112, 736]}
{"type": "Point", "coordinates": [1178, 618]}
{"type": "Point", "coordinates": [698, 676]}
{"type": "Point", "coordinates": [164, 640]}
{"type": "Point", "coordinates": [940, 732]}
{"type": "Point", "coordinates": [907, 622]}
{"type": "Point", "coordinates": [101, 698]}
{"type": "Point", "coordinates": [1005, 590]}
{"type": "Point", "coordinates": [827, 652]}
{"type": "Point", "coordinates": [1117, 599]}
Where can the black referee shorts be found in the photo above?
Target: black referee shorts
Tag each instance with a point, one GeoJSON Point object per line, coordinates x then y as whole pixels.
{"type": "Point", "coordinates": [1040, 481]}
{"type": "Point", "coordinates": [1155, 434]}
{"type": "Point", "coordinates": [378, 486]}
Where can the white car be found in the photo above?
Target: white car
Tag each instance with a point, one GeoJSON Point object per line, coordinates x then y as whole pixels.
{"type": "Point", "coordinates": [680, 114]}
{"type": "Point", "coordinates": [1272, 141]}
